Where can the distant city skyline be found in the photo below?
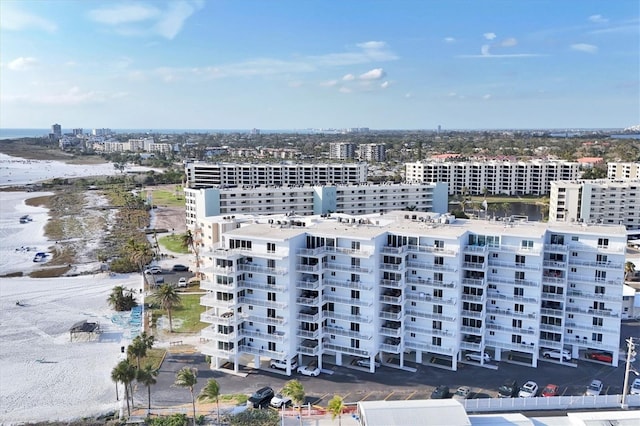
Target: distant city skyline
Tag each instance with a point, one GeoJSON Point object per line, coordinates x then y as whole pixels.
{"type": "Point", "coordinates": [243, 64]}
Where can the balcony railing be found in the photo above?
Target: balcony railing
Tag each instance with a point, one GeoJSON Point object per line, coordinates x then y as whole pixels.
{"type": "Point", "coordinates": [431, 249]}
{"type": "Point", "coordinates": [261, 351]}
{"type": "Point", "coordinates": [248, 267]}
{"type": "Point", "coordinates": [424, 347]}
{"type": "Point", "coordinates": [590, 311]}
{"type": "Point", "coordinates": [339, 331]}
{"type": "Point", "coordinates": [429, 315]}
{"type": "Point", "coordinates": [392, 283]}
{"type": "Point", "coordinates": [212, 333]}
{"type": "Point", "coordinates": [308, 334]}
{"type": "Point", "coordinates": [354, 285]}
{"type": "Point", "coordinates": [347, 350]}
{"type": "Point", "coordinates": [265, 320]}
{"type": "Point", "coordinates": [431, 266]}
{"type": "Point", "coordinates": [308, 284]}
{"type": "Point", "coordinates": [253, 284]}
{"type": "Point", "coordinates": [431, 283]}
{"type": "Point", "coordinates": [212, 301]}
{"type": "Point", "coordinates": [391, 331]}
{"type": "Point", "coordinates": [392, 349]}
{"type": "Point", "coordinates": [344, 267]}
{"type": "Point", "coordinates": [593, 296]}
{"type": "Point", "coordinates": [347, 300]}
{"type": "Point", "coordinates": [522, 347]}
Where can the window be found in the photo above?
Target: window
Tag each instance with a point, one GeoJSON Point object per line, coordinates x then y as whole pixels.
{"type": "Point", "coordinates": [271, 296]}
{"type": "Point", "coordinates": [520, 260]}
{"type": "Point", "coordinates": [596, 337]}
{"type": "Point", "coordinates": [355, 343]}
{"type": "Point", "coordinates": [271, 248]}
{"type": "Point", "coordinates": [519, 275]}
{"type": "Point", "coordinates": [603, 242]}
{"type": "Point", "coordinates": [527, 244]}
{"type": "Point", "coordinates": [436, 341]}
{"type": "Point", "coordinates": [355, 294]}
{"type": "Point", "coordinates": [516, 323]}
{"type": "Point", "coordinates": [355, 245]}
{"type": "Point", "coordinates": [599, 289]}
{"type": "Point", "coordinates": [516, 338]}
{"type": "Point", "coordinates": [437, 325]}
{"type": "Point", "coordinates": [518, 291]}
{"type": "Point", "coordinates": [271, 280]}
{"type": "Point", "coordinates": [518, 307]}
{"type": "Point", "coordinates": [597, 322]}
{"type": "Point", "coordinates": [437, 309]}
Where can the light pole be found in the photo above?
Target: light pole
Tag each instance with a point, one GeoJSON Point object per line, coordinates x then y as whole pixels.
{"type": "Point", "coordinates": [630, 353]}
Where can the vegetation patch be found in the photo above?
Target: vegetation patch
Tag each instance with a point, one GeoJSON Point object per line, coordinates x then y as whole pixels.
{"type": "Point", "coordinates": [162, 197]}
{"type": "Point", "coordinates": [173, 243]}
{"type": "Point", "coordinates": [186, 317]}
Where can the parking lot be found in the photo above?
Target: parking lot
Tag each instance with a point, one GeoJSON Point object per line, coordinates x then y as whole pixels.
{"type": "Point", "coordinates": [355, 384]}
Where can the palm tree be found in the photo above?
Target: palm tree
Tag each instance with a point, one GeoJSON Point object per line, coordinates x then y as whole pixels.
{"type": "Point", "coordinates": [139, 254]}
{"type": "Point", "coordinates": [294, 390]}
{"type": "Point", "coordinates": [147, 377]}
{"type": "Point", "coordinates": [121, 299]}
{"type": "Point", "coordinates": [147, 339]}
{"type": "Point", "coordinates": [124, 373]}
{"type": "Point", "coordinates": [188, 241]}
{"type": "Point", "coordinates": [187, 378]}
{"type": "Point", "coordinates": [629, 270]}
{"type": "Point", "coordinates": [168, 298]}
{"type": "Point", "coordinates": [335, 407]}
{"type": "Point", "coordinates": [211, 392]}
{"type": "Point", "coordinates": [137, 349]}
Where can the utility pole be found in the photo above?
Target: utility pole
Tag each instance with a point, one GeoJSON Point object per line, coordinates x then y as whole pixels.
{"type": "Point", "coordinates": [630, 353]}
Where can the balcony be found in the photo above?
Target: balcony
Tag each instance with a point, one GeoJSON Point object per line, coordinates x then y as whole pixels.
{"type": "Point", "coordinates": [431, 249]}
{"type": "Point", "coordinates": [308, 268]}
{"type": "Point", "coordinates": [389, 348]}
{"type": "Point", "coordinates": [212, 349]}
{"type": "Point", "coordinates": [556, 247]}
{"type": "Point", "coordinates": [507, 329]}
{"type": "Point", "coordinates": [344, 267]}
{"type": "Point", "coordinates": [254, 301]}
{"type": "Point", "coordinates": [265, 320]}
{"type": "Point", "coordinates": [348, 251]}
{"type": "Point", "coordinates": [509, 313]}
{"type": "Point", "coordinates": [212, 333]}
{"type": "Point", "coordinates": [554, 264]}
{"type": "Point", "coordinates": [253, 284]}
{"type": "Point", "coordinates": [590, 328]}
{"type": "Point", "coordinates": [593, 296]}
{"type": "Point", "coordinates": [431, 266]}
{"type": "Point", "coordinates": [339, 331]}
{"type": "Point", "coordinates": [473, 298]}
{"type": "Point", "coordinates": [473, 265]}
{"type": "Point", "coordinates": [393, 300]}
{"type": "Point", "coordinates": [476, 249]}
{"type": "Point", "coordinates": [213, 286]}
{"type": "Point", "coordinates": [308, 317]}
{"type": "Point", "coordinates": [514, 265]}
{"type": "Point", "coordinates": [309, 301]}
{"type": "Point", "coordinates": [309, 347]}
{"type": "Point", "coordinates": [431, 283]}
{"type": "Point", "coordinates": [391, 331]}
{"type": "Point", "coordinates": [472, 314]}
{"type": "Point", "coordinates": [211, 318]}
{"type": "Point", "coordinates": [424, 347]}
{"type": "Point", "coordinates": [211, 300]}
{"type": "Point", "coordinates": [308, 334]}
{"type": "Point", "coordinates": [499, 296]}
{"type": "Point", "coordinates": [522, 347]}
{"type": "Point", "coordinates": [311, 251]}
{"type": "Point", "coordinates": [348, 350]}
{"type": "Point", "coordinates": [259, 269]}
{"type": "Point", "coordinates": [392, 283]}
{"type": "Point", "coordinates": [393, 250]}
{"type": "Point", "coordinates": [353, 285]}
{"type": "Point", "coordinates": [257, 334]}
{"type": "Point", "coordinates": [229, 271]}
{"type": "Point", "coordinates": [591, 312]}
{"type": "Point", "coordinates": [254, 350]}
{"type": "Point", "coordinates": [553, 296]}
{"type": "Point", "coordinates": [393, 267]}
{"type": "Point", "coordinates": [347, 300]}
{"type": "Point", "coordinates": [308, 284]}
{"type": "Point", "coordinates": [429, 315]}
{"type": "Point", "coordinates": [347, 317]}
{"type": "Point", "coordinates": [516, 249]}
{"type": "Point", "coordinates": [470, 346]}
{"type": "Point", "coordinates": [389, 314]}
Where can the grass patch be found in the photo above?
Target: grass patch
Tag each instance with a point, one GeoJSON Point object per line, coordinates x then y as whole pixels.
{"type": "Point", "coordinates": [154, 357]}
{"type": "Point", "coordinates": [173, 243]}
{"type": "Point", "coordinates": [188, 314]}
{"type": "Point", "coordinates": [166, 198]}
{"type": "Point", "coordinates": [238, 398]}
{"type": "Point", "coordinates": [50, 272]}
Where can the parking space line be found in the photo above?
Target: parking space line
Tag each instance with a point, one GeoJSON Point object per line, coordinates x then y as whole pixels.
{"type": "Point", "coordinates": [410, 395]}
{"type": "Point", "coordinates": [366, 396]}
{"type": "Point", "coordinates": [389, 396]}
{"type": "Point", "coordinates": [346, 395]}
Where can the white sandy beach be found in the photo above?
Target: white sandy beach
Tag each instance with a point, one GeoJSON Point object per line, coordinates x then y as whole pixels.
{"type": "Point", "coordinates": [43, 375]}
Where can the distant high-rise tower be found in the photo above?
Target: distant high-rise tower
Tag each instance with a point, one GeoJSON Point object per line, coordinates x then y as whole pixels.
{"type": "Point", "coordinates": [56, 131]}
{"type": "Point", "coordinates": [439, 128]}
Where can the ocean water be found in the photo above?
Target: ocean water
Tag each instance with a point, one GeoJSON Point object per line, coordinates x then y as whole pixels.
{"type": "Point", "coordinates": [23, 133]}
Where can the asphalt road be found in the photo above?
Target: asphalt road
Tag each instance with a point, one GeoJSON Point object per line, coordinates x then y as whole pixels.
{"type": "Point", "coordinates": [354, 384]}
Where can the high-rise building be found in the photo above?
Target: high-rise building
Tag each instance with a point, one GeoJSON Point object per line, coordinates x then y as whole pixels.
{"type": "Point", "coordinates": [342, 151]}
{"type": "Point", "coordinates": [373, 152]}
{"type": "Point", "coordinates": [56, 131]}
{"type": "Point", "coordinates": [407, 287]}
{"type": "Point", "coordinates": [623, 170]}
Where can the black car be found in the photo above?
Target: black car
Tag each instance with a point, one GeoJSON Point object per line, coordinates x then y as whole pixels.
{"type": "Point", "coordinates": [180, 268]}
{"type": "Point", "coordinates": [509, 389]}
{"type": "Point", "coordinates": [441, 392]}
{"type": "Point", "coordinates": [261, 398]}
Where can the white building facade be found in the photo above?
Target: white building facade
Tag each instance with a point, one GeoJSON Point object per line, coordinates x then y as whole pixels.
{"type": "Point", "coordinates": [597, 201]}
{"type": "Point", "coordinates": [408, 287]}
{"type": "Point", "coordinates": [494, 177]}
{"type": "Point", "coordinates": [342, 150]}
{"type": "Point", "coordinates": [310, 200]}
{"type": "Point", "coordinates": [373, 152]}
{"type": "Point", "coordinates": [623, 170]}
{"type": "Point", "coordinates": [204, 175]}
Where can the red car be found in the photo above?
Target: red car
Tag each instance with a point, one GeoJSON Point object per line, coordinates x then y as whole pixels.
{"type": "Point", "coordinates": [550, 390]}
{"type": "Point", "coordinates": [600, 356]}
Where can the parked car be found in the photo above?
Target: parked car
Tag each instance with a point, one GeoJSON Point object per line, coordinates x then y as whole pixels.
{"type": "Point", "coordinates": [441, 392]}
{"type": "Point", "coordinates": [600, 356]}
{"type": "Point", "coordinates": [279, 401]}
{"type": "Point", "coordinates": [282, 364]}
{"type": "Point", "coordinates": [462, 393]}
{"type": "Point", "coordinates": [476, 356]}
{"type": "Point", "coordinates": [261, 398]}
{"type": "Point", "coordinates": [309, 370]}
{"type": "Point", "coordinates": [182, 282]}
{"type": "Point", "coordinates": [558, 354]}
{"type": "Point", "coordinates": [528, 390]}
{"type": "Point", "coordinates": [509, 389]}
{"type": "Point", "coordinates": [153, 270]}
{"type": "Point", "coordinates": [366, 363]}
{"type": "Point", "coordinates": [635, 387]}
{"type": "Point", "coordinates": [180, 268]}
{"type": "Point", "coordinates": [550, 390]}
{"type": "Point", "coordinates": [594, 389]}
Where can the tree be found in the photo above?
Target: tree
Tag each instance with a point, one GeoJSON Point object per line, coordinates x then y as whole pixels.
{"type": "Point", "coordinates": [187, 378]}
{"type": "Point", "coordinates": [121, 299]}
{"type": "Point", "coordinates": [147, 377]}
{"type": "Point", "coordinates": [138, 349]}
{"type": "Point", "coordinates": [629, 270]}
{"type": "Point", "coordinates": [294, 390]}
{"type": "Point", "coordinates": [188, 241]}
{"type": "Point", "coordinates": [211, 392]}
{"type": "Point", "coordinates": [139, 254]}
{"type": "Point", "coordinates": [168, 299]}
{"type": "Point", "coordinates": [335, 407]}
{"type": "Point", "coordinates": [124, 373]}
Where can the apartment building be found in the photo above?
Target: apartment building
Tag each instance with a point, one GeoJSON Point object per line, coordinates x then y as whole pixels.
{"type": "Point", "coordinates": [314, 200]}
{"type": "Point", "coordinates": [407, 287]}
{"type": "Point", "coordinates": [494, 177]}
{"type": "Point", "coordinates": [342, 150]}
{"type": "Point", "coordinates": [373, 152]}
{"type": "Point", "coordinates": [623, 171]}
{"type": "Point", "coordinates": [597, 201]}
{"type": "Point", "coordinates": [204, 175]}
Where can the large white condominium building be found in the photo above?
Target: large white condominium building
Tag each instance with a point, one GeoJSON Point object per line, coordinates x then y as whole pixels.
{"type": "Point", "coordinates": [495, 177]}
{"type": "Point", "coordinates": [310, 200]}
{"type": "Point", "coordinates": [623, 170]}
{"type": "Point", "coordinates": [597, 201]}
{"type": "Point", "coordinates": [374, 152]}
{"type": "Point", "coordinates": [342, 151]}
{"type": "Point", "coordinates": [408, 287]}
{"type": "Point", "coordinates": [204, 175]}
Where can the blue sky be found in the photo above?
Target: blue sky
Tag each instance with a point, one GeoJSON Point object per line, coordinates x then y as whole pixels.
{"type": "Point", "coordinates": [242, 64]}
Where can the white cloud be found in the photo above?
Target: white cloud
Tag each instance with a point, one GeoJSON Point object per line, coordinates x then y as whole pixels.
{"type": "Point", "coordinates": [484, 50]}
{"type": "Point", "coordinates": [146, 20]}
{"type": "Point", "coordinates": [349, 77]}
{"type": "Point", "coordinates": [15, 19]}
{"type": "Point", "coordinates": [486, 97]}
{"type": "Point", "coordinates": [330, 83]}
{"type": "Point", "coordinates": [452, 94]}
{"type": "Point", "coordinates": [72, 96]}
{"type": "Point", "coordinates": [372, 45]}
{"type": "Point", "coordinates": [374, 74]}
{"type": "Point", "coordinates": [509, 42]}
{"type": "Point", "coordinates": [584, 47]}
{"type": "Point", "coordinates": [344, 90]}
{"type": "Point", "coordinates": [408, 95]}
{"type": "Point", "coordinates": [295, 84]}
{"type": "Point", "coordinates": [384, 85]}
{"type": "Point", "coordinates": [449, 40]}
{"type": "Point", "coordinates": [22, 64]}
{"type": "Point", "coordinates": [598, 19]}
{"type": "Point", "coordinates": [489, 36]}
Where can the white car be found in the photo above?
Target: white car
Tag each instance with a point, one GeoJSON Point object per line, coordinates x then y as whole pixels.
{"type": "Point", "coordinates": [282, 364]}
{"type": "Point", "coordinates": [182, 282]}
{"type": "Point", "coordinates": [635, 387]}
{"type": "Point", "coordinates": [594, 388]}
{"type": "Point", "coordinates": [462, 393]}
{"type": "Point", "coordinates": [308, 370]}
{"type": "Point", "coordinates": [366, 363]}
{"type": "Point", "coordinates": [528, 390]}
{"type": "Point", "coordinates": [476, 356]}
{"type": "Point", "coordinates": [557, 354]}
{"type": "Point", "coordinates": [280, 401]}
{"type": "Point", "coordinates": [153, 270]}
